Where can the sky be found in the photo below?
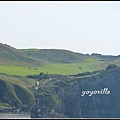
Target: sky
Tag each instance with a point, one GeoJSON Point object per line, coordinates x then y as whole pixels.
{"type": "Point", "coordinates": [81, 26]}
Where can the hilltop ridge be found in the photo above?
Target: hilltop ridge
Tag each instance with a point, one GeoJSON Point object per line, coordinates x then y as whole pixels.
{"type": "Point", "coordinates": [56, 55]}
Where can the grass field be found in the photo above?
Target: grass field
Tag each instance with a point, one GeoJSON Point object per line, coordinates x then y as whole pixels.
{"type": "Point", "coordinates": [63, 69]}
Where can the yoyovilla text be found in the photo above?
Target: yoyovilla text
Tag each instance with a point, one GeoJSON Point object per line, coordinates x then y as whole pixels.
{"type": "Point", "coordinates": [90, 93]}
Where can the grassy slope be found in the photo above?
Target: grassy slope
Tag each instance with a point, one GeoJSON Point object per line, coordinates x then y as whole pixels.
{"type": "Point", "coordinates": [10, 55]}
{"type": "Point", "coordinates": [55, 55]}
{"type": "Point", "coordinates": [89, 64]}
{"type": "Point", "coordinates": [18, 62]}
{"type": "Point", "coordinates": [109, 59]}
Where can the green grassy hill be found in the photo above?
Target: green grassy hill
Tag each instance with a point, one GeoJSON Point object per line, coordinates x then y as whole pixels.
{"type": "Point", "coordinates": [55, 55]}
{"type": "Point", "coordinates": [33, 61]}
{"type": "Point", "coordinates": [10, 55]}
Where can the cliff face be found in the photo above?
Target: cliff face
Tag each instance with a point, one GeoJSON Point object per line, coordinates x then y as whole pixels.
{"type": "Point", "coordinates": [96, 96]}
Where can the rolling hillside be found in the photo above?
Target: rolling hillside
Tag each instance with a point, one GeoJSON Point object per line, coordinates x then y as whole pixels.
{"type": "Point", "coordinates": [56, 55]}
{"type": "Point", "coordinates": [54, 61]}
{"type": "Point", "coordinates": [33, 61]}
{"type": "Point", "coordinates": [10, 55]}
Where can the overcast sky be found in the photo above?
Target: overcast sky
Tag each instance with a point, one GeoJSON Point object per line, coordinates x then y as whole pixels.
{"type": "Point", "coordinates": [85, 27]}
